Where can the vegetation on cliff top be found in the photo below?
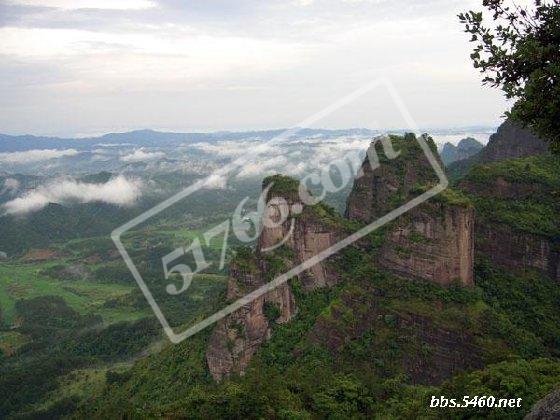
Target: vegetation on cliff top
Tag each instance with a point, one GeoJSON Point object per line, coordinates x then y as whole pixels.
{"type": "Point", "coordinates": [450, 196]}
{"type": "Point", "coordinates": [534, 209]}
{"type": "Point", "coordinates": [281, 185]}
{"type": "Point", "coordinates": [542, 171]}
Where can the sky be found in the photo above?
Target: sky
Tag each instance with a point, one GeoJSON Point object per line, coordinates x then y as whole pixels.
{"type": "Point", "coordinates": [86, 67]}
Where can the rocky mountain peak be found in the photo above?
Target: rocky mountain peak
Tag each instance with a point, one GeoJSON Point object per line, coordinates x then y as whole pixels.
{"type": "Point", "coordinates": [291, 233]}
{"type": "Point", "coordinates": [512, 141]}
{"type": "Point", "coordinates": [433, 241]}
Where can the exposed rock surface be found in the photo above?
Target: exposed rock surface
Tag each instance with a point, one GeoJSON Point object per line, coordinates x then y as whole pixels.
{"type": "Point", "coordinates": [518, 250]}
{"type": "Point", "coordinates": [434, 241]}
{"type": "Point", "coordinates": [431, 353]}
{"type": "Point", "coordinates": [512, 141]}
{"type": "Point", "coordinates": [237, 337]}
{"type": "Point", "coordinates": [381, 188]}
{"type": "Point", "coordinates": [450, 351]}
{"type": "Point", "coordinates": [546, 409]}
{"type": "Point", "coordinates": [508, 230]}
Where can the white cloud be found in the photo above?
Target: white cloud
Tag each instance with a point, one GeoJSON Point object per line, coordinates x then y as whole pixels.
{"type": "Point", "coordinates": [114, 144]}
{"type": "Point", "coordinates": [100, 157]}
{"type": "Point", "coordinates": [89, 4]}
{"type": "Point", "coordinates": [235, 148]}
{"type": "Point", "coordinates": [119, 191]}
{"type": "Point", "coordinates": [141, 156]}
{"type": "Point", "coordinates": [11, 184]}
{"type": "Point", "coordinates": [217, 182]}
{"type": "Point", "coordinates": [30, 156]}
{"type": "Point", "coordinates": [264, 166]}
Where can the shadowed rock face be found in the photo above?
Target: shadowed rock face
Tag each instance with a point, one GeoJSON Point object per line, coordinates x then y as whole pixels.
{"type": "Point", "coordinates": [505, 246]}
{"type": "Point", "coordinates": [238, 336]}
{"type": "Point", "coordinates": [518, 250]}
{"type": "Point", "coordinates": [512, 141]}
{"type": "Point", "coordinates": [434, 241]}
{"type": "Point", "coordinates": [510, 244]}
{"type": "Point", "coordinates": [380, 188]}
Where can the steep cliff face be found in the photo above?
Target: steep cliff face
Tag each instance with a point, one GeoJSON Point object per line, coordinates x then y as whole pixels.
{"type": "Point", "coordinates": [515, 250]}
{"type": "Point", "coordinates": [381, 188]}
{"type": "Point", "coordinates": [238, 336]}
{"type": "Point", "coordinates": [517, 211]}
{"type": "Point", "coordinates": [509, 142]}
{"type": "Point", "coordinates": [303, 234]}
{"type": "Point", "coordinates": [512, 141]}
{"type": "Point", "coordinates": [434, 241]}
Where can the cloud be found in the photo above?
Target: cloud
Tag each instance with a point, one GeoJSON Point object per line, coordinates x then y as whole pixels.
{"type": "Point", "coordinates": [114, 144]}
{"type": "Point", "coordinates": [215, 182]}
{"type": "Point", "coordinates": [30, 156]}
{"type": "Point", "coordinates": [235, 148]}
{"type": "Point", "coordinates": [119, 191]}
{"type": "Point", "coordinates": [141, 156]}
{"type": "Point", "coordinates": [11, 184]}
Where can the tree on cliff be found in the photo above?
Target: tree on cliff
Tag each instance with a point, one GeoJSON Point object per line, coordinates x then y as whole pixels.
{"type": "Point", "coordinates": [518, 50]}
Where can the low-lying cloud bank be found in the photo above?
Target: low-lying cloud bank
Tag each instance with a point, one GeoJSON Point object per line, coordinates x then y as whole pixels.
{"type": "Point", "coordinates": [120, 191]}
{"type": "Point", "coordinates": [30, 156]}
{"type": "Point", "coordinates": [140, 156]}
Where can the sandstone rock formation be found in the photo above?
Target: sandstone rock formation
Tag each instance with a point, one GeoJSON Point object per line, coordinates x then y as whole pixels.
{"type": "Point", "coordinates": [381, 188]}
{"type": "Point", "coordinates": [512, 141]}
{"type": "Point", "coordinates": [237, 337]}
{"type": "Point", "coordinates": [505, 243]}
{"type": "Point", "coordinates": [518, 250]}
{"type": "Point", "coordinates": [434, 241]}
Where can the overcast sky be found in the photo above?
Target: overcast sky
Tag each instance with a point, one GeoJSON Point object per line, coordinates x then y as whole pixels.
{"type": "Point", "coordinates": [78, 67]}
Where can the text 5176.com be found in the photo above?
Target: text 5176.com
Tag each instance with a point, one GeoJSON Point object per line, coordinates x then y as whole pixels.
{"type": "Point", "coordinates": [475, 401]}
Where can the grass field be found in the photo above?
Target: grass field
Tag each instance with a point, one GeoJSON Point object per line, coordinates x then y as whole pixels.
{"type": "Point", "coordinates": [26, 281]}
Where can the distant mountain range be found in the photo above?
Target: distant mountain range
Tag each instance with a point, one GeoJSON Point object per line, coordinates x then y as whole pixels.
{"type": "Point", "coordinates": [151, 138]}
{"type": "Point", "coordinates": [465, 149]}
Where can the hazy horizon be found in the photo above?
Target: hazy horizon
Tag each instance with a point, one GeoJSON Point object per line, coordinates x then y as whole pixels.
{"type": "Point", "coordinates": [451, 130]}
